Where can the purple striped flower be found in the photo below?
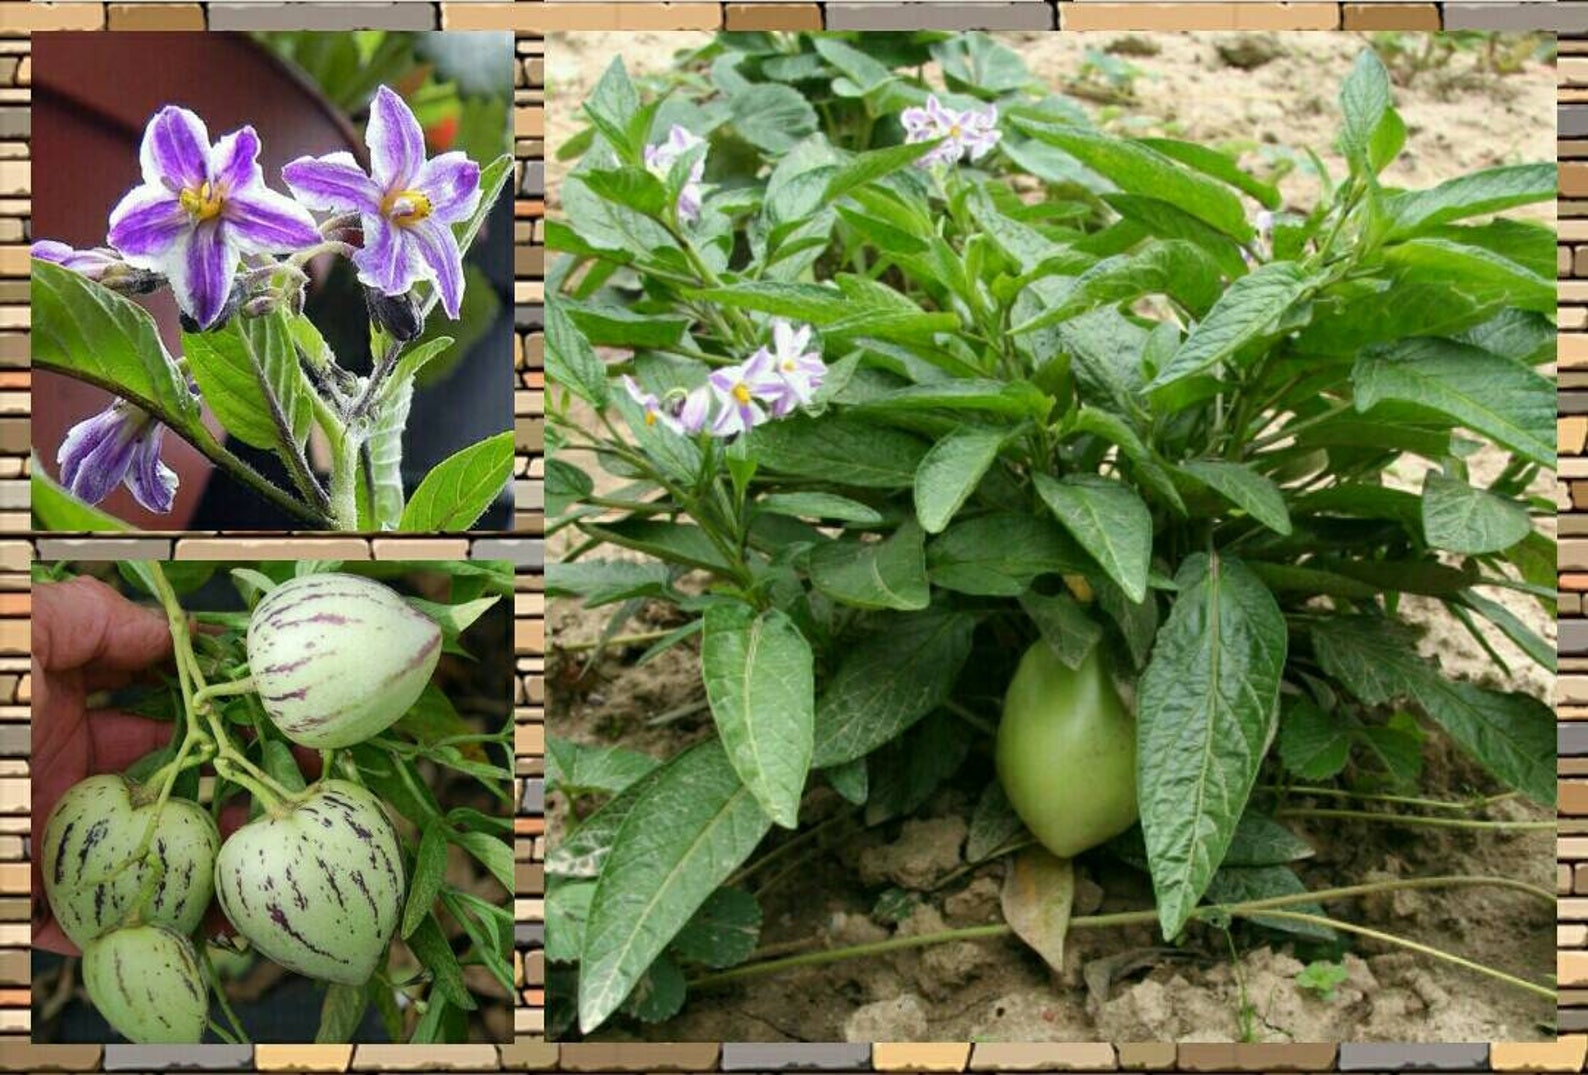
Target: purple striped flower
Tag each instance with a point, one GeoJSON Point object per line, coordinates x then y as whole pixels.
{"type": "Point", "coordinates": [661, 157]}
{"type": "Point", "coordinates": [199, 208]}
{"type": "Point", "coordinates": [655, 413]}
{"type": "Point", "coordinates": [407, 204]}
{"type": "Point", "coordinates": [972, 132]}
{"type": "Point", "coordinates": [120, 444]}
{"type": "Point", "coordinates": [738, 408]}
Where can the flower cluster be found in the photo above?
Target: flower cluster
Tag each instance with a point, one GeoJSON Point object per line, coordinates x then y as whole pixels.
{"type": "Point", "coordinates": [660, 158]}
{"type": "Point", "coordinates": [735, 399]}
{"type": "Point", "coordinates": [203, 207]}
{"type": "Point", "coordinates": [972, 132]}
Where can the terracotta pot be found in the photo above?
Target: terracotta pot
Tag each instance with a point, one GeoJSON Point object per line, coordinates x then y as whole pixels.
{"type": "Point", "coordinates": [92, 95]}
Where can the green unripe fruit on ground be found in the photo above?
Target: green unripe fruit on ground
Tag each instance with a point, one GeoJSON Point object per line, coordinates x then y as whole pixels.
{"type": "Point", "coordinates": [145, 981]}
{"type": "Point", "coordinates": [338, 658]}
{"type": "Point", "coordinates": [317, 886]}
{"type": "Point", "coordinates": [1066, 752]}
{"type": "Point", "coordinates": [89, 877]}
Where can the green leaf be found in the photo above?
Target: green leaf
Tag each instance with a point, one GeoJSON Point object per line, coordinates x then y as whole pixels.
{"type": "Point", "coordinates": [888, 680]}
{"type": "Point", "coordinates": [430, 867]}
{"type": "Point", "coordinates": [570, 361]}
{"type": "Point", "coordinates": [677, 543]}
{"type": "Point", "coordinates": [249, 375]}
{"type": "Point", "coordinates": [1171, 267]}
{"type": "Point", "coordinates": [1245, 488]}
{"type": "Point", "coordinates": [1249, 307]}
{"type": "Point", "coordinates": [1139, 169]}
{"type": "Point", "coordinates": [659, 994]}
{"type": "Point", "coordinates": [1014, 400]}
{"type": "Point", "coordinates": [1538, 649]}
{"type": "Point", "coordinates": [999, 554]}
{"type": "Point", "coordinates": [1313, 744]}
{"type": "Point", "coordinates": [689, 829]}
{"type": "Point", "coordinates": [459, 489]}
{"type": "Point", "coordinates": [874, 574]}
{"type": "Point", "coordinates": [772, 117]}
{"type": "Point", "coordinates": [1479, 193]}
{"type": "Point", "coordinates": [492, 852]}
{"type": "Point", "coordinates": [1137, 620]}
{"type": "Point", "coordinates": [760, 679]}
{"type": "Point", "coordinates": [1260, 840]}
{"type": "Point", "coordinates": [615, 326]}
{"type": "Point", "coordinates": [724, 932]}
{"type": "Point", "coordinates": [992, 824]}
{"type": "Point", "coordinates": [583, 852]}
{"type": "Point", "coordinates": [1110, 522]}
{"type": "Point", "coordinates": [90, 332]}
{"type": "Point", "coordinates": [56, 509]}
{"type": "Point", "coordinates": [873, 165]}
{"type": "Point", "coordinates": [282, 765]}
{"type": "Point", "coordinates": [1218, 165]}
{"type": "Point", "coordinates": [1364, 103]}
{"type": "Point", "coordinates": [612, 107]}
{"type": "Point", "coordinates": [1206, 710]}
{"type": "Point", "coordinates": [1064, 625]}
{"type": "Point", "coordinates": [950, 472]}
{"type": "Point", "coordinates": [574, 768]}
{"type": "Point", "coordinates": [1242, 884]}
{"type": "Point", "coordinates": [1460, 518]}
{"type": "Point", "coordinates": [567, 910]}
{"type": "Point", "coordinates": [1473, 271]}
{"type": "Point", "coordinates": [430, 946]}
{"type": "Point", "coordinates": [1511, 735]}
{"type": "Point", "coordinates": [839, 449]}
{"type": "Point", "coordinates": [1489, 394]}
{"type": "Point", "coordinates": [341, 1012]}
{"type": "Point", "coordinates": [820, 506]}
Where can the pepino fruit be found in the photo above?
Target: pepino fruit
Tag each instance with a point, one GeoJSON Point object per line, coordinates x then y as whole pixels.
{"type": "Point", "coordinates": [317, 887]}
{"type": "Point", "coordinates": [89, 876]}
{"type": "Point", "coordinates": [1066, 752]}
{"type": "Point", "coordinates": [145, 981]}
{"type": "Point", "coordinates": [338, 658]}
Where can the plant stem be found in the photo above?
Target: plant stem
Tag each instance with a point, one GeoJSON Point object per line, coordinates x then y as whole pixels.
{"type": "Point", "coordinates": [1403, 942]}
{"type": "Point", "coordinates": [220, 996]}
{"type": "Point", "coordinates": [1400, 800]}
{"type": "Point", "coordinates": [1415, 819]}
{"type": "Point", "coordinates": [616, 641]}
{"type": "Point", "coordinates": [1109, 921]}
{"type": "Point", "coordinates": [218, 690]}
{"type": "Point", "coordinates": [815, 832]}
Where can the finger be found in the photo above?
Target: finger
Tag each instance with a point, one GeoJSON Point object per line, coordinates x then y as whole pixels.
{"type": "Point", "coordinates": [118, 739]}
{"type": "Point", "coordinates": [84, 622]}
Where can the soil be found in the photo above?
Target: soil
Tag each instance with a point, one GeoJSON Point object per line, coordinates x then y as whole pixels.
{"type": "Point", "coordinates": [1122, 984]}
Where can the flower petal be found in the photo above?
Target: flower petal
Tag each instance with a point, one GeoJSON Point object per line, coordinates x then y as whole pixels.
{"type": "Point", "coordinates": [146, 223]}
{"type": "Point", "coordinates": [452, 183]}
{"type": "Point", "coordinates": [176, 149]}
{"type": "Point", "coordinates": [443, 263]}
{"type": "Point", "coordinates": [234, 162]}
{"type": "Point", "coordinates": [200, 272]}
{"type": "Point", "coordinates": [95, 454]}
{"type": "Point", "coordinates": [388, 262]}
{"type": "Point", "coordinates": [396, 144]}
{"type": "Point", "coordinates": [261, 221]}
{"type": "Point", "coordinates": [152, 483]}
{"type": "Point", "coordinates": [333, 183]}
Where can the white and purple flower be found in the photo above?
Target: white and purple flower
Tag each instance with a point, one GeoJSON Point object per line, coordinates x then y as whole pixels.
{"type": "Point", "coordinates": [792, 370]}
{"type": "Point", "coordinates": [407, 205]}
{"type": "Point", "coordinates": [199, 208]}
{"type": "Point", "coordinates": [732, 389]}
{"type": "Point", "coordinates": [655, 413]}
{"type": "Point", "coordinates": [119, 444]}
{"type": "Point", "coordinates": [972, 132]}
{"type": "Point", "coordinates": [661, 157]}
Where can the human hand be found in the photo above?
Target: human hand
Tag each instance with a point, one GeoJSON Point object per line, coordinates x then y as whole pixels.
{"type": "Point", "coordinates": [86, 638]}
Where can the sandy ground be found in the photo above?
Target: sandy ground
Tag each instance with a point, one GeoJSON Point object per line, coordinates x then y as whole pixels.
{"type": "Point", "coordinates": [1122, 985]}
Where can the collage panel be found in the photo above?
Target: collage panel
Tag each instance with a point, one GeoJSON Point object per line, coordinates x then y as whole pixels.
{"type": "Point", "coordinates": [281, 299]}
{"type": "Point", "coordinates": [1051, 538]}
{"type": "Point", "coordinates": [273, 801]}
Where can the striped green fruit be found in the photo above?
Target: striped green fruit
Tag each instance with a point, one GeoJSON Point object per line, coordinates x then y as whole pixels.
{"type": "Point", "coordinates": [145, 981]}
{"type": "Point", "coordinates": [89, 876]}
{"type": "Point", "coordinates": [318, 886]}
{"type": "Point", "coordinates": [338, 658]}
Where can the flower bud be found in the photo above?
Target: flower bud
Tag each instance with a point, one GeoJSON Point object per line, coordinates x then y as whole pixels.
{"type": "Point", "coordinates": [398, 315]}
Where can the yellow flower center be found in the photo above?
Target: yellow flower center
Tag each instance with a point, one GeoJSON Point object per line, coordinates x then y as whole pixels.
{"type": "Point", "coordinates": [203, 203]}
{"type": "Point", "coordinates": [954, 131]}
{"type": "Point", "coordinates": [741, 392]}
{"type": "Point", "coordinates": [406, 207]}
{"type": "Point", "coordinates": [650, 418]}
{"type": "Point", "coordinates": [788, 366]}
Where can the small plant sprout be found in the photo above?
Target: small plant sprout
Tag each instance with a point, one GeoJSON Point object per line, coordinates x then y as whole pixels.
{"type": "Point", "coordinates": [1321, 978]}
